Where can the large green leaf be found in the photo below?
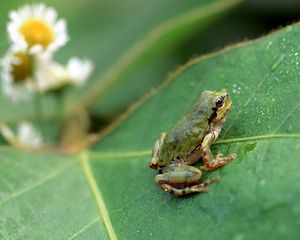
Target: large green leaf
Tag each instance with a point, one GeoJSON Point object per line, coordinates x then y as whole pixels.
{"type": "Point", "coordinates": [95, 28]}
{"type": "Point", "coordinates": [257, 197]}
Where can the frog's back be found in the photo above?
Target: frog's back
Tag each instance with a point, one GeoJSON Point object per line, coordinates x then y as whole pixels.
{"type": "Point", "coordinates": [189, 131]}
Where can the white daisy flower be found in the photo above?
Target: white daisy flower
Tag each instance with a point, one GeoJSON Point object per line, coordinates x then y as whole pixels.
{"type": "Point", "coordinates": [35, 27]}
{"type": "Point", "coordinates": [55, 76]}
{"type": "Point", "coordinates": [16, 74]}
{"type": "Point", "coordinates": [77, 70]}
{"type": "Point", "coordinates": [27, 136]}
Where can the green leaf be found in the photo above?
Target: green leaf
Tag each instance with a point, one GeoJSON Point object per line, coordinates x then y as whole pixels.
{"type": "Point", "coordinates": [258, 195]}
{"type": "Point", "coordinates": [256, 198]}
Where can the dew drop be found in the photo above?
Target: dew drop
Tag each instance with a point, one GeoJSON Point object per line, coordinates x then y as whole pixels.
{"type": "Point", "coordinates": [262, 182]}
{"type": "Point", "coordinates": [239, 236]}
{"type": "Point", "coordinates": [277, 80]}
{"type": "Point", "coordinates": [258, 121]}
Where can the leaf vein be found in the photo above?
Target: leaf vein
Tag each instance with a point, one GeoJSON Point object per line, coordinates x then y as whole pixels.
{"type": "Point", "coordinates": [287, 116]}
{"type": "Point", "coordinates": [42, 181]}
{"type": "Point", "coordinates": [85, 227]}
{"type": "Point", "coordinates": [265, 77]}
{"type": "Point", "coordinates": [130, 154]}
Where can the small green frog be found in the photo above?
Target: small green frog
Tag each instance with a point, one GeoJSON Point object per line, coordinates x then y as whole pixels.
{"type": "Point", "coordinates": [187, 142]}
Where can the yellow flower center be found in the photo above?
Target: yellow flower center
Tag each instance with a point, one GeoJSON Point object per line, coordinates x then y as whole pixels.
{"type": "Point", "coordinates": [22, 69]}
{"type": "Point", "coordinates": [36, 31]}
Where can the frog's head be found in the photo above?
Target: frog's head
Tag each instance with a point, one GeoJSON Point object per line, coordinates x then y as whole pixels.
{"type": "Point", "coordinates": [221, 105]}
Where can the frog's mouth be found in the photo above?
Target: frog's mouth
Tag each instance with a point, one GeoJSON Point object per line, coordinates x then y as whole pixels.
{"type": "Point", "coordinates": [214, 117]}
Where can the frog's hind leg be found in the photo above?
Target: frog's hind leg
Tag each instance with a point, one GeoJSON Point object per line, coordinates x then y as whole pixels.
{"type": "Point", "coordinates": [180, 180]}
{"type": "Point", "coordinates": [202, 187]}
{"type": "Point", "coordinates": [209, 160]}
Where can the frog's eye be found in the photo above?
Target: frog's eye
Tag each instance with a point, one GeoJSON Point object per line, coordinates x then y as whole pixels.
{"type": "Point", "coordinates": [220, 101]}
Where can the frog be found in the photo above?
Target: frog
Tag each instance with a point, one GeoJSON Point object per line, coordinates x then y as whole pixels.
{"type": "Point", "coordinates": [187, 142]}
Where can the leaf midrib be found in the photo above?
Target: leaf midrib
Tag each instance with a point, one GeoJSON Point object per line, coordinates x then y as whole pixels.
{"type": "Point", "coordinates": [145, 152]}
{"type": "Point", "coordinates": [87, 171]}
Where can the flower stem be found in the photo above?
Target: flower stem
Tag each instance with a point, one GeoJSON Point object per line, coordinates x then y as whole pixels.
{"type": "Point", "coordinates": [60, 103]}
{"type": "Point", "coordinates": [39, 114]}
{"type": "Point", "coordinates": [60, 111]}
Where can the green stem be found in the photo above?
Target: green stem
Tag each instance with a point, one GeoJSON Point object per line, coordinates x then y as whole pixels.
{"type": "Point", "coordinates": [38, 105]}
{"type": "Point", "coordinates": [39, 114]}
{"type": "Point", "coordinates": [60, 110]}
{"type": "Point", "coordinates": [60, 101]}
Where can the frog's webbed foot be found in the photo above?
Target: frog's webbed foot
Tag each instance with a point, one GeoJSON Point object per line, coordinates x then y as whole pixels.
{"type": "Point", "coordinates": [211, 162]}
{"type": "Point", "coordinates": [218, 161]}
{"type": "Point", "coordinates": [180, 180]}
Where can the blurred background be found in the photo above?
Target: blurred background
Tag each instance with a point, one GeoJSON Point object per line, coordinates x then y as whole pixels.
{"type": "Point", "coordinates": [126, 41]}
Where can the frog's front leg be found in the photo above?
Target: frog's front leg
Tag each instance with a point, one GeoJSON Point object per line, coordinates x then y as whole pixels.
{"type": "Point", "coordinates": [209, 160]}
{"type": "Point", "coordinates": [155, 151]}
{"type": "Point", "coordinates": [180, 180]}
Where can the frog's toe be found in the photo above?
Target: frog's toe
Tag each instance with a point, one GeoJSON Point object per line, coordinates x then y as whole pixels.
{"type": "Point", "coordinates": [218, 161]}
{"type": "Point", "coordinates": [199, 188]}
{"type": "Point", "coordinates": [210, 181]}
{"type": "Point", "coordinates": [179, 192]}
